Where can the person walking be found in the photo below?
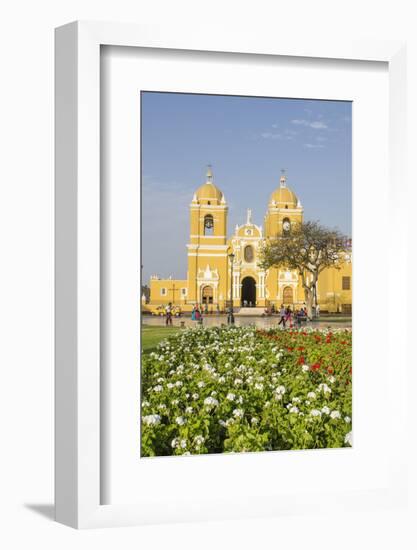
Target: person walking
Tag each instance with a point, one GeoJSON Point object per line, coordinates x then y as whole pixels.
{"type": "Point", "coordinates": [288, 316]}
{"type": "Point", "coordinates": [282, 316]}
{"type": "Point", "coordinates": [193, 313]}
{"type": "Point", "coordinates": [168, 314]}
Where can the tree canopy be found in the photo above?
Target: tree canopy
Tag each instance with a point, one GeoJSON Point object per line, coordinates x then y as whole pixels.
{"type": "Point", "coordinates": [308, 248]}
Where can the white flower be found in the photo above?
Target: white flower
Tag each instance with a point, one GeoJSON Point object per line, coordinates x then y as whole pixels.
{"type": "Point", "coordinates": [174, 442]}
{"type": "Point", "coordinates": [230, 396]}
{"type": "Point", "coordinates": [349, 438]}
{"type": "Point", "coordinates": [158, 388]}
{"type": "Point", "coordinates": [195, 396]}
{"type": "Point", "coordinates": [296, 400]}
{"type": "Point", "coordinates": [238, 382]}
{"type": "Point", "coordinates": [180, 420]}
{"type": "Point", "coordinates": [222, 423]}
{"type": "Point", "coordinates": [331, 379]}
{"type": "Point", "coordinates": [238, 413]}
{"type": "Point", "coordinates": [315, 412]}
{"type": "Point", "coordinates": [324, 388]}
{"type": "Point", "coordinates": [254, 420]}
{"type": "Point", "coordinates": [305, 368]}
{"type": "Point", "coordinates": [311, 395]}
{"type": "Point", "coordinates": [201, 384]}
{"type": "Point", "coordinates": [151, 419]}
{"type": "Point", "coordinates": [210, 402]}
{"type": "Point", "coordinates": [335, 414]}
{"type": "Point", "coordinates": [259, 386]}
{"type": "Point", "coordinates": [189, 410]}
{"type": "Point", "coordinates": [198, 440]}
{"type": "Point", "coordinates": [280, 390]}
{"type": "Point", "coordinates": [347, 419]}
{"type": "Point", "coordinates": [325, 410]}
{"type": "Point", "coordinates": [170, 385]}
{"type": "Point", "coordinates": [145, 404]}
{"type": "Point", "coordinates": [178, 383]}
{"type": "Point", "coordinates": [183, 443]}
{"type": "Point", "coordinates": [294, 410]}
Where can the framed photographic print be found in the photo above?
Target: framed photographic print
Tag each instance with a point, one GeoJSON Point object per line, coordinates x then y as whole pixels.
{"type": "Point", "coordinates": [216, 278]}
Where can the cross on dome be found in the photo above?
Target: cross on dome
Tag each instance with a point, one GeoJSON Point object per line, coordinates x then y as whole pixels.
{"type": "Point", "coordinates": [249, 217]}
{"type": "Point", "coordinates": [283, 179]}
{"type": "Point", "coordinates": [209, 174]}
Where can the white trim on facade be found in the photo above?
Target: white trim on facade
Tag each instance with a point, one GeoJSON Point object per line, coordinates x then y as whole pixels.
{"type": "Point", "coordinates": [204, 255]}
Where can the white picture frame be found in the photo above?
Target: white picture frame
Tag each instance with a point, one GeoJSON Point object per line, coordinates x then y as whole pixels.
{"type": "Point", "coordinates": [78, 320]}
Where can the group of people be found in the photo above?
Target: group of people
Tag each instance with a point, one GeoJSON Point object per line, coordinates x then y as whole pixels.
{"type": "Point", "coordinates": [288, 316]}
{"type": "Point", "coordinates": [197, 313]}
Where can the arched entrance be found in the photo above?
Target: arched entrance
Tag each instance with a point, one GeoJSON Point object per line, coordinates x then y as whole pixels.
{"type": "Point", "coordinates": [207, 295]}
{"type": "Point", "coordinates": [287, 296]}
{"type": "Point", "coordinates": [248, 292]}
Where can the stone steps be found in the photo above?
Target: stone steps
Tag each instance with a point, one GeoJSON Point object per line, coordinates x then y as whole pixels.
{"type": "Point", "coordinates": [249, 311]}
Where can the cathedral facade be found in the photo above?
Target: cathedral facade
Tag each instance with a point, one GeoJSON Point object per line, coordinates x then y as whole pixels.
{"type": "Point", "coordinates": [221, 268]}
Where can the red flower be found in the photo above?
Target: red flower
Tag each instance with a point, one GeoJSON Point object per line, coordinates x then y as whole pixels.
{"type": "Point", "coordinates": [316, 366]}
{"type": "Point", "coordinates": [330, 370]}
{"type": "Point", "coordinates": [301, 360]}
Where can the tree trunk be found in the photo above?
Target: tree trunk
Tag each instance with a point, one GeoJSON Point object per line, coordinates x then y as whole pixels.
{"type": "Point", "coordinates": [308, 294]}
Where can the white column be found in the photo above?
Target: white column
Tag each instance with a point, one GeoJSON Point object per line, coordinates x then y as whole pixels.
{"type": "Point", "coordinates": [261, 285]}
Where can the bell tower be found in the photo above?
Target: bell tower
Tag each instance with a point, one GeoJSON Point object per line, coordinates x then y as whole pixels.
{"type": "Point", "coordinates": [284, 210]}
{"type": "Point", "coordinates": [207, 248]}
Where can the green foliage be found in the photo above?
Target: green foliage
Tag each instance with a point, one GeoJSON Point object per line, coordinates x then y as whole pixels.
{"type": "Point", "coordinates": [215, 390]}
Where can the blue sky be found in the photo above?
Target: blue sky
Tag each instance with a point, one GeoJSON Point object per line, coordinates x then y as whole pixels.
{"type": "Point", "coordinates": [248, 141]}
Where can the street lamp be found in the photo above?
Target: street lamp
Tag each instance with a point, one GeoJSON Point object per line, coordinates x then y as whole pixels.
{"type": "Point", "coordinates": [230, 317]}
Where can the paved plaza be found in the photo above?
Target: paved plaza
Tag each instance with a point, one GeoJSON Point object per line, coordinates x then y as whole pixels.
{"type": "Point", "coordinates": [240, 321]}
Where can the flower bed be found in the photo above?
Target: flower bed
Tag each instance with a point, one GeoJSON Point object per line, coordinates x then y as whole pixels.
{"type": "Point", "coordinates": [214, 390]}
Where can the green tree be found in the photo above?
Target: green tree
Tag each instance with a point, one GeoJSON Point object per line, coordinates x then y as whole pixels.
{"type": "Point", "coordinates": [309, 249]}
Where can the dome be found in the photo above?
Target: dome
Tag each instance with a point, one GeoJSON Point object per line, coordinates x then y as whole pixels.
{"type": "Point", "coordinates": [208, 191]}
{"type": "Point", "coordinates": [283, 196]}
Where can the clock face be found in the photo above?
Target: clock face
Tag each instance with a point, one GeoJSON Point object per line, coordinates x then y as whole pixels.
{"type": "Point", "coordinates": [286, 225]}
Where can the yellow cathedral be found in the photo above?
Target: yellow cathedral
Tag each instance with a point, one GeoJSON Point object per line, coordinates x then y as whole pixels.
{"type": "Point", "coordinates": [222, 267]}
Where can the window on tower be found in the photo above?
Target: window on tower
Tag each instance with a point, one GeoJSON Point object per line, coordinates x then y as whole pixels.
{"type": "Point", "coordinates": [208, 224]}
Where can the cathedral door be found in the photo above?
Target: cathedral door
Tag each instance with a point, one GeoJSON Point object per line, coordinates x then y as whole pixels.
{"type": "Point", "coordinates": [287, 295]}
{"type": "Point", "coordinates": [248, 292]}
{"type": "Point", "coordinates": [207, 295]}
